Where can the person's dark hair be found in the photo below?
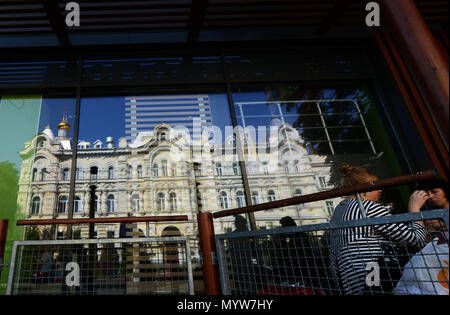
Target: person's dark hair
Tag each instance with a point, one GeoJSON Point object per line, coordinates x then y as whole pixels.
{"type": "Point", "coordinates": [240, 223]}
{"type": "Point", "coordinates": [287, 221]}
{"type": "Point", "coordinates": [355, 175]}
{"type": "Point", "coordinates": [438, 183]}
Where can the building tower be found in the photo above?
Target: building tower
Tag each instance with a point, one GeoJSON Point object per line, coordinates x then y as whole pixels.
{"type": "Point", "coordinates": [63, 127]}
{"type": "Point", "coordinates": [143, 113]}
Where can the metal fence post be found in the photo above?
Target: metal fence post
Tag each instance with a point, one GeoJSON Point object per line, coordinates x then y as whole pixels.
{"type": "Point", "coordinates": [3, 231]}
{"type": "Point", "coordinates": [209, 253]}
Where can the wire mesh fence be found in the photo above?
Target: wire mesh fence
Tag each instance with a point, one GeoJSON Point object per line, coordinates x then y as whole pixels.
{"type": "Point", "coordinates": [374, 256]}
{"type": "Point", "coordinates": [102, 267]}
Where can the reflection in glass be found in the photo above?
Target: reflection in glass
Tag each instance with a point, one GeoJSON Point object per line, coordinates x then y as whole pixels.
{"type": "Point", "coordinates": [36, 207]}
{"type": "Point", "coordinates": [111, 204]}
{"type": "Point", "coordinates": [62, 204]}
{"type": "Point", "coordinates": [77, 204]}
{"type": "Point", "coordinates": [306, 133]}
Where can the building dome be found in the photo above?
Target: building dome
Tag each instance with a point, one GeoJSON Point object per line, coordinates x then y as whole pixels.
{"type": "Point", "coordinates": [64, 125]}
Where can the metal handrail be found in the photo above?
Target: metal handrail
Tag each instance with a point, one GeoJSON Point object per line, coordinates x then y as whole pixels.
{"type": "Point", "coordinates": [103, 220]}
{"type": "Point", "coordinates": [393, 219]}
{"type": "Point", "coordinates": [334, 193]}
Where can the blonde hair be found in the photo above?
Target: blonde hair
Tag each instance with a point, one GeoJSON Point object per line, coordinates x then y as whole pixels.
{"type": "Point", "coordinates": [355, 175]}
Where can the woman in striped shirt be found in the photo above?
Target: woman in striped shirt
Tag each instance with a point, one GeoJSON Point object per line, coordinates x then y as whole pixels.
{"type": "Point", "coordinates": [353, 249]}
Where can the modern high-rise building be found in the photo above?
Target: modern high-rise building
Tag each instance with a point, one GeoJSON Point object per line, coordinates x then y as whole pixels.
{"type": "Point", "coordinates": [143, 113]}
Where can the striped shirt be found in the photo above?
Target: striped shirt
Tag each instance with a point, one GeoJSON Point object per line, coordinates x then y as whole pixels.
{"type": "Point", "coordinates": [353, 248]}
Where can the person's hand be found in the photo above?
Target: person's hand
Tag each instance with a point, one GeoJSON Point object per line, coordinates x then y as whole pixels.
{"type": "Point", "coordinates": [417, 200]}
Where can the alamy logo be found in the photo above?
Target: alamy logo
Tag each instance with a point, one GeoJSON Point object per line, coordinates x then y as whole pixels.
{"type": "Point", "coordinates": [73, 17]}
{"type": "Point", "coordinates": [73, 277]}
{"type": "Point", "coordinates": [373, 18]}
{"type": "Point", "coordinates": [373, 277]}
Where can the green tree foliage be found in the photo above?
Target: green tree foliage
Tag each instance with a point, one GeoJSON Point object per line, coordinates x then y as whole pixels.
{"type": "Point", "coordinates": [9, 185]}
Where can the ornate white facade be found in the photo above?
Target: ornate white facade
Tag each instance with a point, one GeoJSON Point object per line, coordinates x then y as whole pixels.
{"type": "Point", "coordinates": [154, 176]}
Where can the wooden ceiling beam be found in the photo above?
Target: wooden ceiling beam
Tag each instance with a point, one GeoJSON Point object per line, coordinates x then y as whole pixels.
{"type": "Point", "coordinates": [196, 18]}
{"type": "Point", "coordinates": [57, 22]}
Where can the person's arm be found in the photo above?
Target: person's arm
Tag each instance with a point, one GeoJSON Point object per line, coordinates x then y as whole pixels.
{"type": "Point", "coordinates": [412, 234]}
{"type": "Point", "coordinates": [416, 202]}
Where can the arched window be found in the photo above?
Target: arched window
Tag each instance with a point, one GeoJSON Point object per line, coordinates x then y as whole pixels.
{"type": "Point", "coordinates": [164, 168]}
{"type": "Point", "coordinates": [223, 200]}
{"type": "Point", "coordinates": [160, 202]}
{"type": "Point", "coordinates": [77, 205]}
{"type": "Point", "coordinates": [41, 143]}
{"type": "Point", "coordinates": [155, 170]}
{"type": "Point", "coordinates": [129, 172]}
{"type": "Point", "coordinates": [271, 196]}
{"type": "Point", "coordinates": [162, 136]}
{"type": "Point", "coordinates": [111, 172]}
{"type": "Point", "coordinates": [240, 199]}
{"type": "Point", "coordinates": [139, 171]}
{"type": "Point", "coordinates": [255, 197]}
{"type": "Point", "coordinates": [36, 205]}
{"type": "Point", "coordinates": [219, 169]}
{"type": "Point", "coordinates": [236, 169]}
{"type": "Point", "coordinates": [136, 202]}
{"type": "Point", "coordinates": [44, 174]}
{"type": "Point", "coordinates": [111, 204]}
{"type": "Point", "coordinates": [65, 174]}
{"type": "Point", "coordinates": [62, 204]}
{"type": "Point", "coordinates": [34, 175]}
{"type": "Point", "coordinates": [173, 201]}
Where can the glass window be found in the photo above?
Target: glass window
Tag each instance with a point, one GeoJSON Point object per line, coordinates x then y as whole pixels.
{"type": "Point", "coordinates": [255, 198]}
{"type": "Point", "coordinates": [174, 170]}
{"type": "Point", "coordinates": [295, 135]}
{"type": "Point", "coordinates": [97, 203]}
{"type": "Point", "coordinates": [66, 174]}
{"type": "Point", "coordinates": [111, 205]}
{"type": "Point", "coordinates": [34, 176]}
{"type": "Point", "coordinates": [77, 205]}
{"type": "Point", "coordinates": [78, 175]}
{"type": "Point", "coordinates": [330, 207]}
{"type": "Point", "coordinates": [93, 173]}
{"type": "Point", "coordinates": [240, 197]}
{"type": "Point", "coordinates": [161, 202]}
{"type": "Point", "coordinates": [62, 204]}
{"type": "Point", "coordinates": [173, 201]}
{"type": "Point", "coordinates": [164, 168]}
{"type": "Point", "coordinates": [162, 136]}
{"type": "Point", "coordinates": [44, 174]}
{"type": "Point", "coordinates": [322, 182]}
{"type": "Point", "coordinates": [129, 172]}
{"type": "Point", "coordinates": [219, 169]}
{"type": "Point", "coordinates": [111, 172]}
{"type": "Point", "coordinates": [136, 202]}
{"type": "Point", "coordinates": [271, 196]}
{"type": "Point", "coordinates": [36, 205]}
{"type": "Point", "coordinates": [236, 169]}
{"type": "Point", "coordinates": [223, 200]}
{"type": "Point", "coordinates": [155, 170]}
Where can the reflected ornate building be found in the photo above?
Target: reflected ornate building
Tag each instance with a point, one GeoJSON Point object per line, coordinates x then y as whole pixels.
{"type": "Point", "coordinates": [154, 175]}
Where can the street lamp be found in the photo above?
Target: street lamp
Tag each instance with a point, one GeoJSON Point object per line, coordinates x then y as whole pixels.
{"type": "Point", "coordinates": [92, 202]}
